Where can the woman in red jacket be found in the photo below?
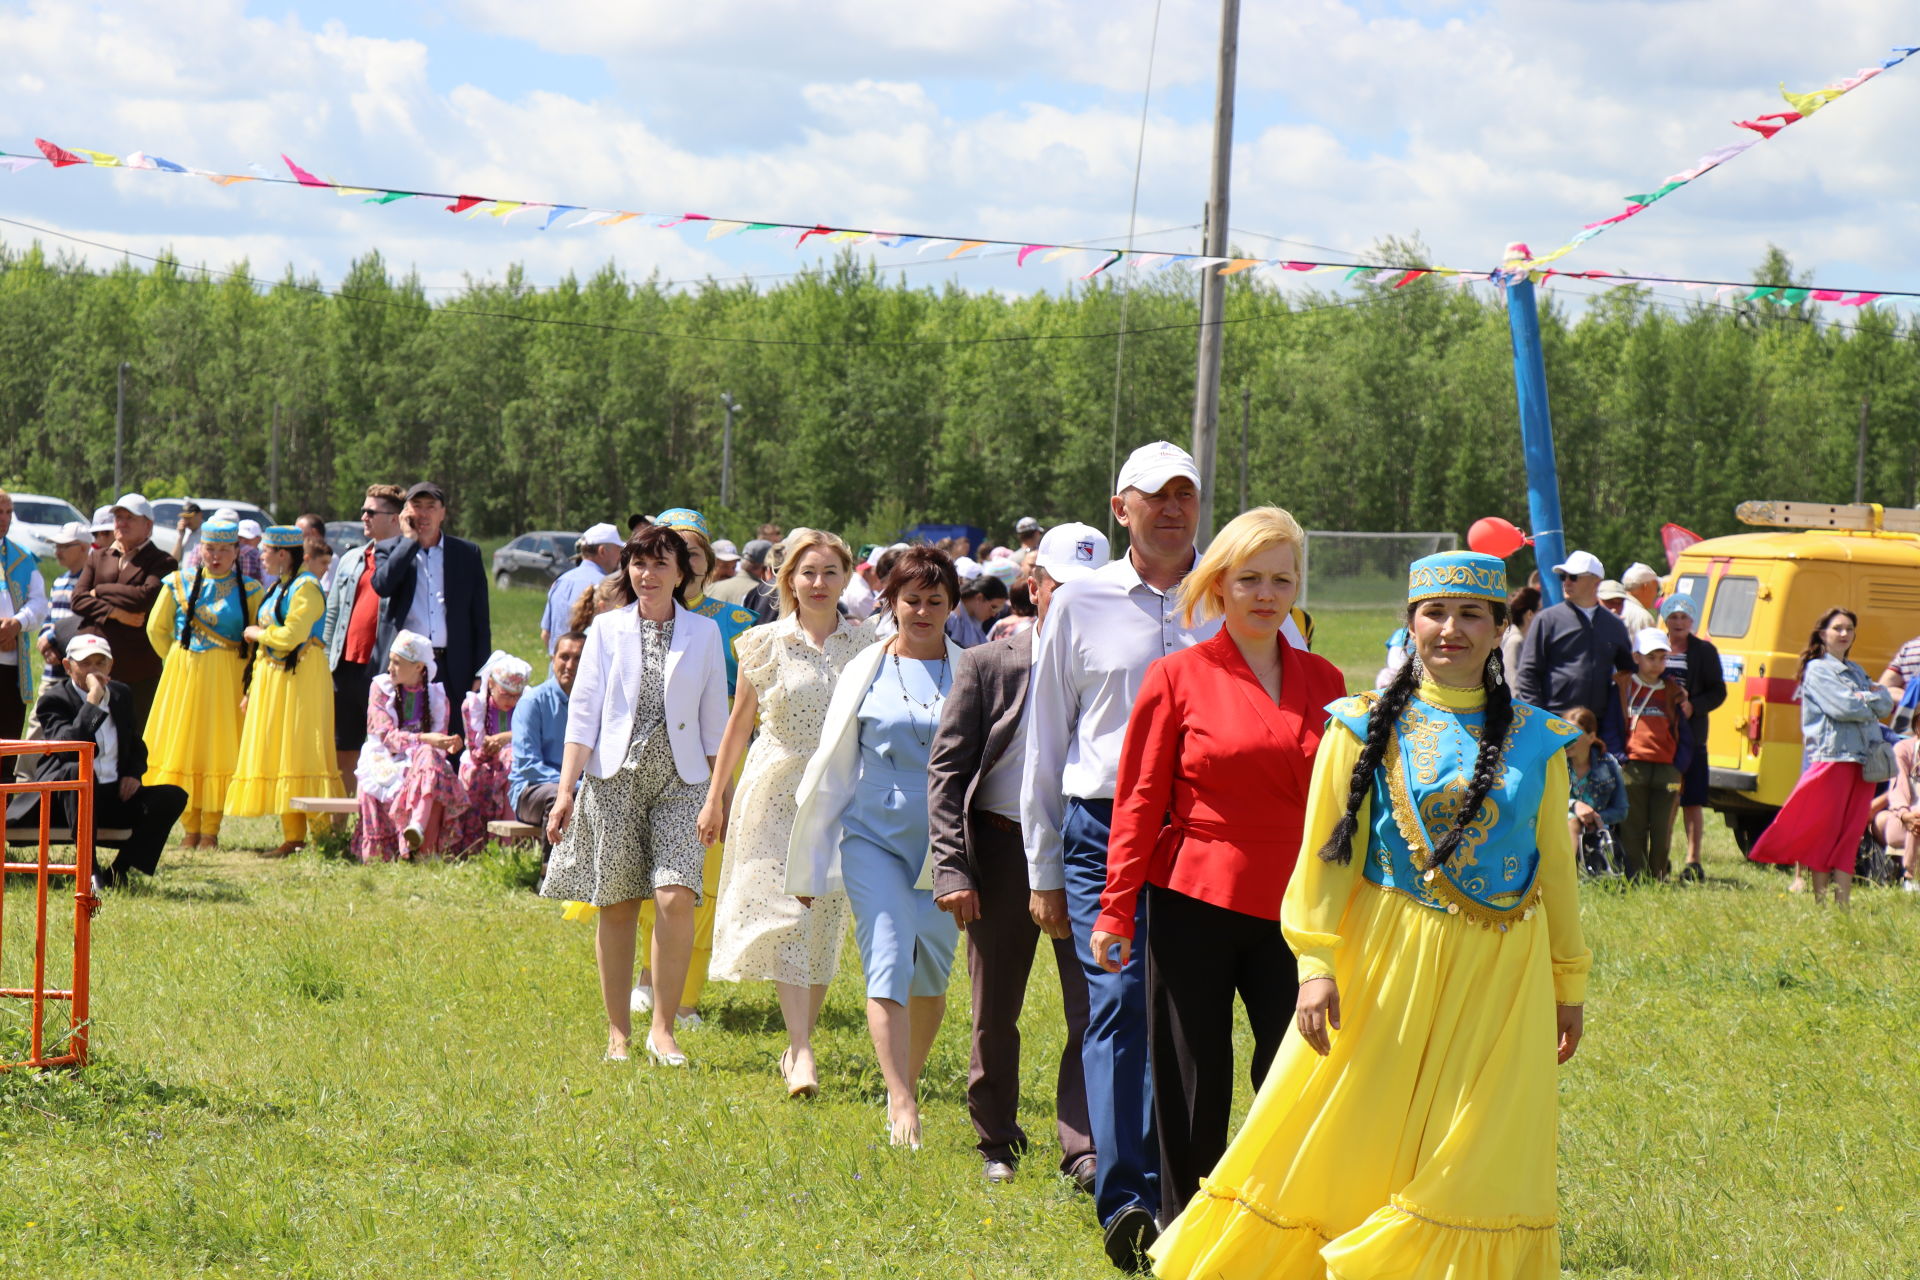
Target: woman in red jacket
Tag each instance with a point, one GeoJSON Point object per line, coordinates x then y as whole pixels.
{"type": "Point", "coordinates": [1207, 822]}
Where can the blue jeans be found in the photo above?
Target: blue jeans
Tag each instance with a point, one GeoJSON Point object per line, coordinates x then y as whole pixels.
{"type": "Point", "coordinates": [1114, 1053]}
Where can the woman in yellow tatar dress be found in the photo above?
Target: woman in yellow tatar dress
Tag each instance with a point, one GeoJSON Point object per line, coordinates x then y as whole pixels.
{"type": "Point", "coordinates": [1408, 1126]}
{"type": "Point", "coordinates": [198, 627]}
{"type": "Point", "coordinates": [286, 748]}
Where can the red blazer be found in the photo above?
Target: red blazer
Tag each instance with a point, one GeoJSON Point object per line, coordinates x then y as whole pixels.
{"type": "Point", "coordinates": [1212, 794]}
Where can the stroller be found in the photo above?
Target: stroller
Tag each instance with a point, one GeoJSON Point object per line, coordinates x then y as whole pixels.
{"type": "Point", "coordinates": [1598, 857]}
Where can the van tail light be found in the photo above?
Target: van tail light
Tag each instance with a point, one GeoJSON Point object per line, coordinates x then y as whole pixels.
{"type": "Point", "coordinates": [1756, 722]}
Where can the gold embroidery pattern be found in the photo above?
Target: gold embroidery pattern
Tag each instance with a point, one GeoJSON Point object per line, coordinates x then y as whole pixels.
{"type": "Point", "coordinates": [1439, 810]}
{"type": "Point", "coordinates": [1437, 881]}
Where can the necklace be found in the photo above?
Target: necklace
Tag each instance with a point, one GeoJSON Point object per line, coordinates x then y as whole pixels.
{"type": "Point", "coordinates": [939, 696]}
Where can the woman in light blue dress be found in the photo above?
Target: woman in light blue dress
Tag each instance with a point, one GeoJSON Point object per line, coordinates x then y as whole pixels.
{"type": "Point", "coordinates": [862, 825]}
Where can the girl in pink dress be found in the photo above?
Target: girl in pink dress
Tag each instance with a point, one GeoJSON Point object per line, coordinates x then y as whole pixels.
{"type": "Point", "coordinates": [486, 718]}
{"type": "Point", "coordinates": [410, 796]}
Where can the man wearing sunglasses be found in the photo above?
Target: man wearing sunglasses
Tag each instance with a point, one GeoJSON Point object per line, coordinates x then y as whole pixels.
{"type": "Point", "coordinates": [1573, 649]}
{"type": "Point", "coordinates": [353, 623]}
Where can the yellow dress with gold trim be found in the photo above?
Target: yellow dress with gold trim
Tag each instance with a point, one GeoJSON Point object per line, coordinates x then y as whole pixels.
{"type": "Point", "coordinates": [1423, 1146]}
{"type": "Point", "coordinates": [286, 746]}
{"type": "Point", "coordinates": [193, 731]}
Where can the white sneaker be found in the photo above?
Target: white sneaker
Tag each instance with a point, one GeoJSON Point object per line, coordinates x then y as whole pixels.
{"type": "Point", "coordinates": [642, 1000]}
{"type": "Point", "coordinates": [688, 1022]}
{"type": "Point", "coordinates": [1909, 885]}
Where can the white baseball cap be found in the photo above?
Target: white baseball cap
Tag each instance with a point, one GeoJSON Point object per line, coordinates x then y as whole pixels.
{"type": "Point", "coordinates": [134, 505]}
{"type": "Point", "coordinates": [1026, 524]}
{"type": "Point", "coordinates": [1151, 466]}
{"type": "Point", "coordinates": [1069, 552]}
{"type": "Point", "coordinates": [725, 550]}
{"type": "Point", "coordinates": [602, 535]}
{"type": "Point", "coordinates": [1650, 640]}
{"type": "Point", "coordinates": [1581, 562]}
{"type": "Point", "coordinates": [967, 567]}
{"type": "Point", "coordinates": [1638, 575]}
{"type": "Point", "coordinates": [71, 532]}
{"type": "Point", "coordinates": [102, 520]}
{"type": "Point", "coordinates": [82, 647]}
{"type": "Point", "coordinates": [251, 529]}
{"type": "Point", "coordinates": [1611, 590]}
{"type": "Point", "coordinates": [227, 514]}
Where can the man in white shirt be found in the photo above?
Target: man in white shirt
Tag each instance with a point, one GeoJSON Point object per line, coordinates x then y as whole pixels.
{"type": "Point", "coordinates": [1102, 633]}
{"type": "Point", "coordinates": [435, 585]}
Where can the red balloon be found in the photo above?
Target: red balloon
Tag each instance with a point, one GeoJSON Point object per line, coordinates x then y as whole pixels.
{"type": "Point", "coordinates": [1492, 536]}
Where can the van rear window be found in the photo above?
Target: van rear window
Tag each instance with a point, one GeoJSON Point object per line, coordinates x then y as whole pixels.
{"type": "Point", "coordinates": [1732, 608]}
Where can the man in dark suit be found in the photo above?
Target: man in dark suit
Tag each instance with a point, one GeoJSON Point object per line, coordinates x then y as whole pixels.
{"type": "Point", "coordinates": [980, 875]}
{"type": "Point", "coordinates": [88, 706]}
{"type": "Point", "coordinates": [435, 584]}
{"type": "Point", "coordinates": [115, 593]}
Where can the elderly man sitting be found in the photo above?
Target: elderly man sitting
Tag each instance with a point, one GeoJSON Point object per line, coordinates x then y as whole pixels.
{"type": "Point", "coordinates": [540, 739]}
{"type": "Point", "coordinates": [90, 706]}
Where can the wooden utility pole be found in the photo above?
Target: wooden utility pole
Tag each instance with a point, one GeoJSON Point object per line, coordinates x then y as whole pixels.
{"type": "Point", "coordinates": [1213, 287]}
{"type": "Point", "coordinates": [1860, 453]}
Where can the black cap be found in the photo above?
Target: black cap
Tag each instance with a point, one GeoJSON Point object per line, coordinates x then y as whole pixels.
{"type": "Point", "coordinates": [428, 489]}
{"type": "Point", "coordinates": [190, 507]}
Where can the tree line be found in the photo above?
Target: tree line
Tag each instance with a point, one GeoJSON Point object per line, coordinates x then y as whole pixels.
{"type": "Point", "coordinates": [872, 403]}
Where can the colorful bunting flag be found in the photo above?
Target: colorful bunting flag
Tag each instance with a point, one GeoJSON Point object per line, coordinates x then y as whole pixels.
{"type": "Point", "coordinates": [1803, 104]}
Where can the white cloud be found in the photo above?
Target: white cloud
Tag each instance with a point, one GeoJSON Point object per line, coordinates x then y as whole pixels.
{"type": "Point", "coordinates": [1009, 118]}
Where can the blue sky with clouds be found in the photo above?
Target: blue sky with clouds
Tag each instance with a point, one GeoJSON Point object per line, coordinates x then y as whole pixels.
{"type": "Point", "coordinates": [1465, 124]}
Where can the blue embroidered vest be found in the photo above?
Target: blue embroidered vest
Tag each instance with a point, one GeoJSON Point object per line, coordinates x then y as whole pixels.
{"type": "Point", "coordinates": [732, 620]}
{"type": "Point", "coordinates": [275, 607]}
{"type": "Point", "coordinates": [20, 570]}
{"type": "Point", "coordinates": [224, 609]}
{"type": "Point", "coordinates": [1417, 792]}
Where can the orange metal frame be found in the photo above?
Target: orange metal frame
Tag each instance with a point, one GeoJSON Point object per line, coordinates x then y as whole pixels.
{"type": "Point", "coordinates": [43, 869]}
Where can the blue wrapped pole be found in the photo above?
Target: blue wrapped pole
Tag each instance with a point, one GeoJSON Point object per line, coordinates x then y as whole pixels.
{"type": "Point", "coordinates": [1536, 426]}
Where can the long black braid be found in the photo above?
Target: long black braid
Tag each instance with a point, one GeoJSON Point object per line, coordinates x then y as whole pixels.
{"type": "Point", "coordinates": [286, 598]}
{"type": "Point", "coordinates": [1380, 729]}
{"type": "Point", "coordinates": [193, 602]}
{"type": "Point", "coordinates": [1386, 714]}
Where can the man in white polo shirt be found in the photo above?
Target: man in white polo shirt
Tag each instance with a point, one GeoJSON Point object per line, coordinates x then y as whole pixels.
{"type": "Point", "coordinates": [1101, 635]}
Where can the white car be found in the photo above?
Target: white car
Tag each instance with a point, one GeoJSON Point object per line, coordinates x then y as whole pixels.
{"type": "Point", "coordinates": [166, 517]}
{"type": "Point", "coordinates": [37, 520]}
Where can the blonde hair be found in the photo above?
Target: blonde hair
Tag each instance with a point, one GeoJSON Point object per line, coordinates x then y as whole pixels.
{"type": "Point", "coordinates": [797, 544]}
{"type": "Point", "coordinates": [1246, 536]}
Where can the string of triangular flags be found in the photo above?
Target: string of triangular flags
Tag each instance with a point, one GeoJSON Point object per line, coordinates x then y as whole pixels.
{"type": "Point", "coordinates": [1103, 258]}
{"type": "Point", "coordinates": [1767, 126]}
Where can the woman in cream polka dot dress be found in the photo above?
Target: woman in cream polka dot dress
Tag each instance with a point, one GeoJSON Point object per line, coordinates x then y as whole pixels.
{"type": "Point", "coordinates": [787, 673]}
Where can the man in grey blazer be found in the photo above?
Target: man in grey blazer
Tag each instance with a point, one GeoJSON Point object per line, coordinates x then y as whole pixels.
{"type": "Point", "coordinates": [980, 876]}
{"type": "Point", "coordinates": [353, 625]}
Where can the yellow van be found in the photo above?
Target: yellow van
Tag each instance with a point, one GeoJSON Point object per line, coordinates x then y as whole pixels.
{"type": "Point", "coordinates": [1760, 595]}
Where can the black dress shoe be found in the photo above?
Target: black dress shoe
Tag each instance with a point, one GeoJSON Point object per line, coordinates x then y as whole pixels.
{"type": "Point", "coordinates": [1130, 1233]}
{"type": "Point", "coordinates": [1083, 1173]}
{"type": "Point", "coordinates": [999, 1171]}
{"type": "Point", "coordinates": [1693, 871]}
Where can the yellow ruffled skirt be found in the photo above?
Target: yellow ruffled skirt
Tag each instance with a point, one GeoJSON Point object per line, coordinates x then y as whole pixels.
{"type": "Point", "coordinates": [1423, 1146]}
{"type": "Point", "coordinates": [286, 746]}
{"type": "Point", "coordinates": [193, 732]}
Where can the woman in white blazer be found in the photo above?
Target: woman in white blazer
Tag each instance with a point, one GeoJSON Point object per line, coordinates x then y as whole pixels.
{"type": "Point", "coordinates": [862, 824]}
{"type": "Point", "coordinates": [649, 704]}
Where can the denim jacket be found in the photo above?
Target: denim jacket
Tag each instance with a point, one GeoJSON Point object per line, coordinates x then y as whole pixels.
{"type": "Point", "coordinates": [1604, 789]}
{"type": "Point", "coordinates": [1840, 710]}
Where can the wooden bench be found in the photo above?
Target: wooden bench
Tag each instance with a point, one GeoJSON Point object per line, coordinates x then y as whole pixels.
{"type": "Point", "coordinates": [325, 804]}
{"type": "Point", "coordinates": [112, 837]}
{"type": "Point", "coordinates": [507, 831]}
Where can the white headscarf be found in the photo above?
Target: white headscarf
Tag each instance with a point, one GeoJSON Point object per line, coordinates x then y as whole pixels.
{"type": "Point", "coordinates": [414, 647]}
{"type": "Point", "coordinates": [507, 671]}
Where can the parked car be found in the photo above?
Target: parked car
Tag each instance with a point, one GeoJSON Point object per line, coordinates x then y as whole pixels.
{"type": "Point", "coordinates": [37, 520]}
{"type": "Point", "coordinates": [166, 517]}
{"type": "Point", "coordinates": [534, 559]}
{"type": "Point", "coordinates": [344, 535]}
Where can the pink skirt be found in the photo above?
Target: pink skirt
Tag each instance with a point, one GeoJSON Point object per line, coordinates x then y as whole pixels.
{"type": "Point", "coordinates": [1820, 825]}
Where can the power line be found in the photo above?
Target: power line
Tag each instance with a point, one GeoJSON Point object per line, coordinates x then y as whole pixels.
{"type": "Point", "coordinates": [737, 339]}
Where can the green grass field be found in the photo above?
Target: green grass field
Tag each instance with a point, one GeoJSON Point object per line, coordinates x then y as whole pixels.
{"type": "Point", "coordinates": [316, 1069]}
